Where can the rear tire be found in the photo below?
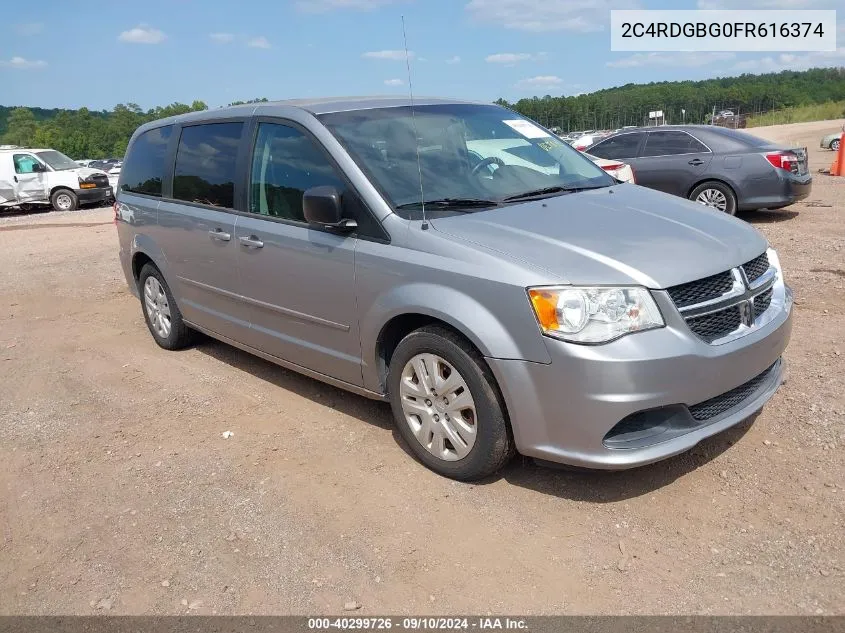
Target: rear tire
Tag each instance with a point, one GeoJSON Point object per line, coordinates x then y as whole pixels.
{"type": "Point", "coordinates": [716, 195]}
{"type": "Point", "coordinates": [64, 200]}
{"type": "Point", "coordinates": [475, 440]}
{"type": "Point", "coordinates": [835, 145]}
{"type": "Point", "coordinates": [161, 313]}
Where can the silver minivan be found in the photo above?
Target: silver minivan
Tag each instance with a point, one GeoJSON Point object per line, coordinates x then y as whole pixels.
{"type": "Point", "coordinates": [501, 302]}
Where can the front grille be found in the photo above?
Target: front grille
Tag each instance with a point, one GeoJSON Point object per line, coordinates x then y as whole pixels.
{"type": "Point", "coordinates": [762, 302]}
{"type": "Point", "coordinates": [702, 290]}
{"type": "Point", "coordinates": [101, 180]}
{"type": "Point", "coordinates": [716, 406]}
{"type": "Point", "coordinates": [756, 267]}
{"type": "Point", "coordinates": [715, 325]}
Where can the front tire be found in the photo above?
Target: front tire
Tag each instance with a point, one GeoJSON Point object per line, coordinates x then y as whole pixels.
{"type": "Point", "coordinates": [161, 313]}
{"type": "Point", "coordinates": [447, 406]}
{"type": "Point", "coordinates": [64, 200]}
{"type": "Point", "coordinates": [715, 195]}
{"type": "Point", "coordinates": [835, 145]}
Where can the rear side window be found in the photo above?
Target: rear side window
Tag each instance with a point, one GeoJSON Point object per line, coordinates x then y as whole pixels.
{"type": "Point", "coordinates": [143, 170]}
{"type": "Point", "coordinates": [205, 164]}
{"type": "Point", "coordinates": [622, 146]}
{"type": "Point", "coordinates": [669, 143]}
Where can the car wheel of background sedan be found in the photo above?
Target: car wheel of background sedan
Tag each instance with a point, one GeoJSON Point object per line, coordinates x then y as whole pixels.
{"type": "Point", "coordinates": [716, 195]}
{"type": "Point", "coordinates": [64, 200]}
{"type": "Point", "coordinates": [161, 312]}
{"type": "Point", "coordinates": [446, 405]}
{"type": "Point", "coordinates": [835, 145]}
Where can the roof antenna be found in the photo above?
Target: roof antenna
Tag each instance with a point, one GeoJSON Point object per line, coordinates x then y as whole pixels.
{"type": "Point", "coordinates": [424, 225]}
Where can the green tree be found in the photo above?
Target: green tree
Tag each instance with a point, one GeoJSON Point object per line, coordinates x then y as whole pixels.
{"type": "Point", "coordinates": [21, 127]}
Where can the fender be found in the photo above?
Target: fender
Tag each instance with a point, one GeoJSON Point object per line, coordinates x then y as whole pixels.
{"type": "Point", "coordinates": [145, 245]}
{"type": "Point", "coordinates": [493, 334]}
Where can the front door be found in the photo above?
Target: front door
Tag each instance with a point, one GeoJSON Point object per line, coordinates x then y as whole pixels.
{"type": "Point", "coordinates": [30, 179]}
{"type": "Point", "coordinates": [298, 279]}
{"type": "Point", "coordinates": [671, 161]}
{"type": "Point", "coordinates": [196, 229]}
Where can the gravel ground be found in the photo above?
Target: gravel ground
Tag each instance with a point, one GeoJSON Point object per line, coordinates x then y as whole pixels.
{"type": "Point", "coordinates": [118, 493]}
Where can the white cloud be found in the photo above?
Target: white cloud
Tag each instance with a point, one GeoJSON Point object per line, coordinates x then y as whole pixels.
{"type": "Point", "coordinates": [321, 6]}
{"type": "Point", "coordinates": [393, 55]}
{"type": "Point", "coordinates": [542, 82]}
{"type": "Point", "coordinates": [22, 64]}
{"type": "Point", "coordinates": [547, 15]}
{"type": "Point", "coordinates": [684, 60]}
{"type": "Point", "coordinates": [766, 4]}
{"type": "Point", "coordinates": [514, 58]}
{"type": "Point", "coordinates": [258, 42]}
{"type": "Point", "coordinates": [142, 35]}
{"type": "Point", "coordinates": [31, 28]}
{"type": "Point", "coordinates": [221, 38]}
{"type": "Point", "coordinates": [791, 61]}
{"type": "Point", "coordinates": [394, 82]}
{"type": "Point", "coordinates": [454, 60]}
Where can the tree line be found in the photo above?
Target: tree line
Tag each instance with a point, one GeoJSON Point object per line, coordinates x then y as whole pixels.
{"type": "Point", "coordinates": [87, 133]}
{"type": "Point", "coordinates": [685, 101]}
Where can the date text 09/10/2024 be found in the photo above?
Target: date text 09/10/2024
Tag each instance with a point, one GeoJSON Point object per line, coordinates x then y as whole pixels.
{"type": "Point", "coordinates": [418, 623]}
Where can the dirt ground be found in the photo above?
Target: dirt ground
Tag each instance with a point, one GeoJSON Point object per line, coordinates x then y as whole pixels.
{"type": "Point", "coordinates": [118, 493]}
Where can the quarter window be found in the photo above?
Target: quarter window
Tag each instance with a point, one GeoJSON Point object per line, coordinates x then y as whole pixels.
{"type": "Point", "coordinates": [669, 143]}
{"type": "Point", "coordinates": [143, 169]}
{"type": "Point", "coordinates": [205, 164]}
{"type": "Point", "coordinates": [285, 162]}
{"type": "Point", "coordinates": [622, 146]}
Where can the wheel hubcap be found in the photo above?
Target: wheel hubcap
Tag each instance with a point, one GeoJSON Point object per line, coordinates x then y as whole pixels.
{"type": "Point", "coordinates": [63, 201]}
{"type": "Point", "coordinates": [835, 145]}
{"type": "Point", "coordinates": [158, 310]}
{"type": "Point", "coordinates": [713, 198]}
{"type": "Point", "coordinates": [438, 407]}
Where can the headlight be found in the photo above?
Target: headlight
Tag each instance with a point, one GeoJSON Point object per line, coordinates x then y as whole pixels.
{"type": "Point", "coordinates": [593, 314]}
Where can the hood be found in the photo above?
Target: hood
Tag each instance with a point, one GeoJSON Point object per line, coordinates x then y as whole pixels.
{"type": "Point", "coordinates": [85, 172]}
{"type": "Point", "coordinates": [623, 234]}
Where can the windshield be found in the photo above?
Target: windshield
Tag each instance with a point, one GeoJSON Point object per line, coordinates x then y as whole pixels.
{"type": "Point", "coordinates": [466, 151]}
{"type": "Point", "coordinates": [57, 160]}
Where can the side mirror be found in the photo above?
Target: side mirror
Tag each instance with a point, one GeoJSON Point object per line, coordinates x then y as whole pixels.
{"type": "Point", "coordinates": [38, 168]}
{"type": "Point", "coordinates": [321, 206]}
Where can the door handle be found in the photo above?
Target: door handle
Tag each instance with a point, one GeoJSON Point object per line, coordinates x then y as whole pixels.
{"type": "Point", "coordinates": [696, 162]}
{"type": "Point", "coordinates": [217, 234]}
{"type": "Point", "coordinates": [16, 178]}
{"type": "Point", "coordinates": [251, 242]}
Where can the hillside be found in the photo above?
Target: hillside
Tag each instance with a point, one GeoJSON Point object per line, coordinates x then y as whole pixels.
{"type": "Point", "coordinates": [631, 103]}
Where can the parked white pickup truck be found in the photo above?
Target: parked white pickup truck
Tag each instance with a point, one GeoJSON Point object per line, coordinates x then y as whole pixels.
{"type": "Point", "coordinates": [47, 177]}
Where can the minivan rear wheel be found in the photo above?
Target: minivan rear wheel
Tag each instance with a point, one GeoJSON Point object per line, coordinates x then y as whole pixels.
{"type": "Point", "coordinates": [446, 405]}
{"type": "Point", "coordinates": [161, 313]}
{"type": "Point", "coordinates": [715, 195]}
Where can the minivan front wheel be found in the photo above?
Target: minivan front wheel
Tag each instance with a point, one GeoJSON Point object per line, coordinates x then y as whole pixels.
{"type": "Point", "coordinates": [161, 313]}
{"type": "Point", "coordinates": [446, 405]}
{"type": "Point", "coordinates": [715, 195]}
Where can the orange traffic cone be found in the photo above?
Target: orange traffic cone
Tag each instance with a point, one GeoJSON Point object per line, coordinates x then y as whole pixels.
{"type": "Point", "coordinates": [837, 168]}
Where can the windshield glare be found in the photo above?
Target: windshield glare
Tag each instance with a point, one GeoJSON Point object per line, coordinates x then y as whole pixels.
{"type": "Point", "coordinates": [465, 151]}
{"type": "Point", "coordinates": [57, 160]}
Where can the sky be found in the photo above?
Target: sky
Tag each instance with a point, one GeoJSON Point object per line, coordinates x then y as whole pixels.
{"type": "Point", "coordinates": [56, 53]}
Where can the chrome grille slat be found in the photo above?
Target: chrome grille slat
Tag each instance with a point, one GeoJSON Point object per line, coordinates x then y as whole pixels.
{"type": "Point", "coordinates": [724, 304]}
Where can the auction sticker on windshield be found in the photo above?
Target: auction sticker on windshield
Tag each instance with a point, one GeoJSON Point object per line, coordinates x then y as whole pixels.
{"type": "Point", "coordinates": [526, 128]}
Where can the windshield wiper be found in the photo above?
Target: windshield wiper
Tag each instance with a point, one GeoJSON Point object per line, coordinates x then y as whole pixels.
{"type": "Point", "coordinates": [547, 191]}
{"type": "Point", "coordinates": [451, 203]}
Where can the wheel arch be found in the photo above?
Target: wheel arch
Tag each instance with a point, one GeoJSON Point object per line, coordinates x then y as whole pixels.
{"type": "Point", "coordinates": [721, 181]}
{"type": "Point", "coordinates": [396, 315]}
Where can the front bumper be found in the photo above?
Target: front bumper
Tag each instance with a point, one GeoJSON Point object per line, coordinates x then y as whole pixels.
{"type": "Point", "coordinates": [563, 411]}
{"type": "Point", "coordinates": [90, 196]}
